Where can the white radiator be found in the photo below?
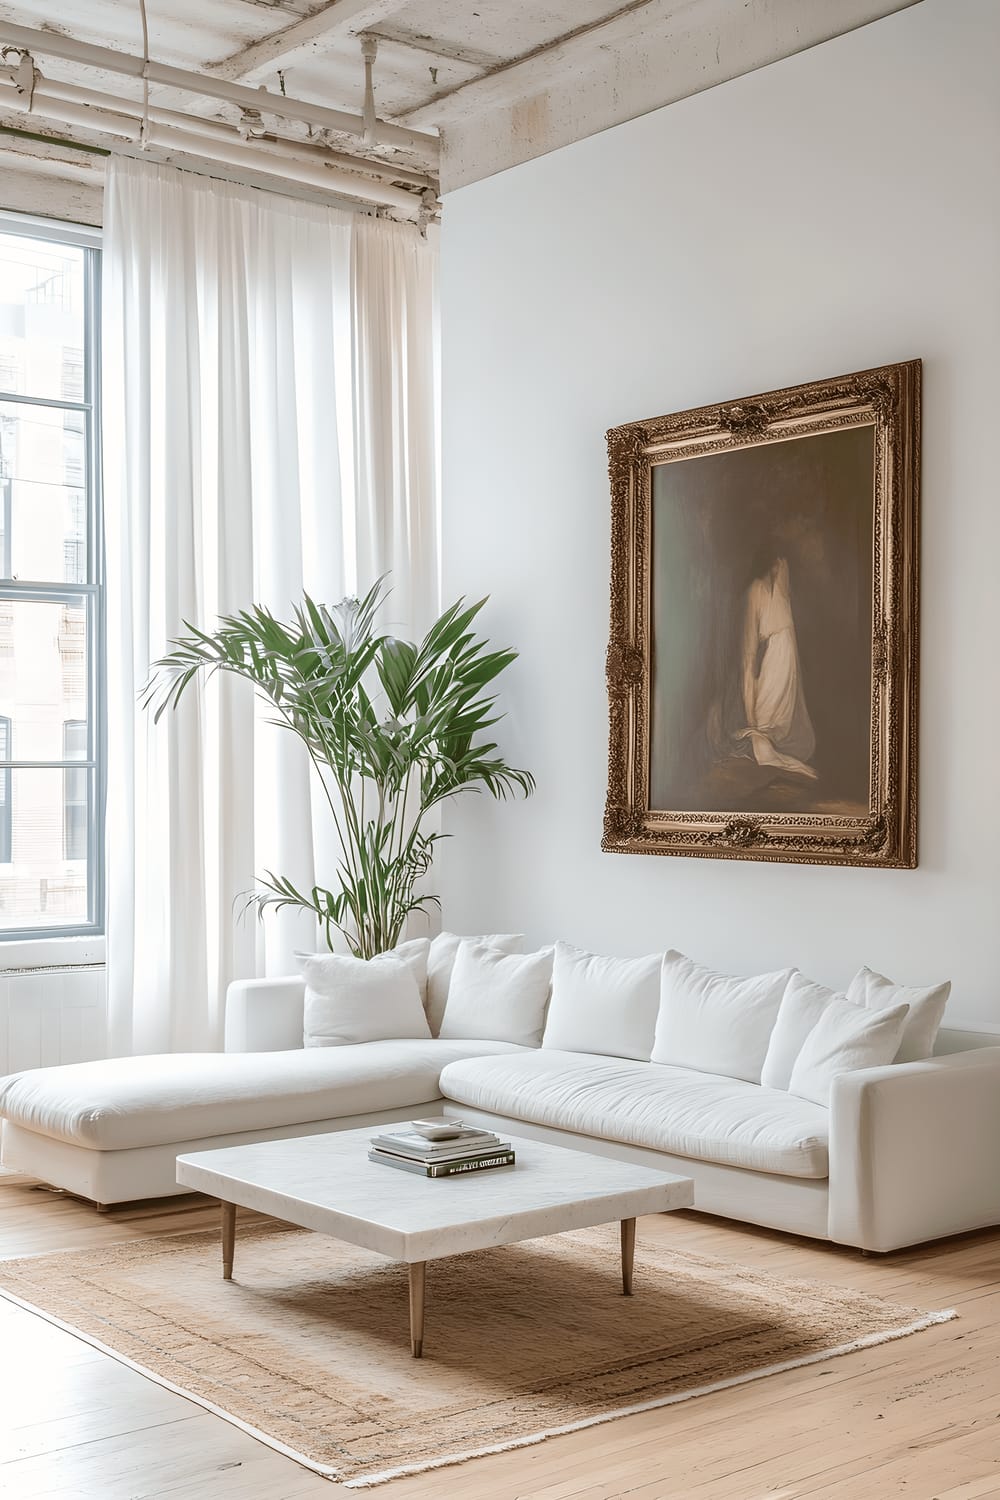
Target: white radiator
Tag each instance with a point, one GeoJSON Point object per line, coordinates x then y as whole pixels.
{"type": "Point", "coordinates": [50, 1016]}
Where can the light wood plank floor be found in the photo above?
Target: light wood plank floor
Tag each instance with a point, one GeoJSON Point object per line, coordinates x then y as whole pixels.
{"type": "Point", "coordinates": [918, 1418]}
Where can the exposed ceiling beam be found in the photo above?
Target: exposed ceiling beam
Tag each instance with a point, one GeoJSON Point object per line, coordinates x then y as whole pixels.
{"type": "Point", "coordinates": [279, 7]}
{"type": "Point", "coordinates": [779, 28]}
{"type": "Point", "coordinates": [51, 157]}
{"type": "Point", "coordinates": [470, 56]}
{"type": "Point", "coordinates": [647, 58]}
{"type": "Point", "coordinates": [40, 177]}
{"type": "Point", "coordinates": [313, 34]}
{"type": "Point", "coordinates": [520, 75]}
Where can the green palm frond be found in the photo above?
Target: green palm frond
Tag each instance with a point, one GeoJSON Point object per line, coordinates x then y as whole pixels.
{"type": "Point", "coordinates": [394, 728]}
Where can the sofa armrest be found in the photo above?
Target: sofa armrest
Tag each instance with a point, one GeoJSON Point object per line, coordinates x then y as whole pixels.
{"type": "Point", "coordinates": [265, 1015]}
{"type": "Point", "coordinates": [915, 1150]}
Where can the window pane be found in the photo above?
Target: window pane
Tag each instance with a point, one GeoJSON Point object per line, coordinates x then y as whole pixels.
{"type": "Point", "coordinates": [43, 500]}
{"type": "Point", "coordinates": [75, 790]}
{"type": "Point", "coordinates": [43, 675]}
{"type": "Point", "coordinates": [43, 884]}
{"type": "Point", "coordinates": [41, 318]}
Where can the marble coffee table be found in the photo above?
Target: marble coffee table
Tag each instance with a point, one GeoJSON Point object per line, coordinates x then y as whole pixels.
{"type": "Point", "coordinates": [327, 1183]}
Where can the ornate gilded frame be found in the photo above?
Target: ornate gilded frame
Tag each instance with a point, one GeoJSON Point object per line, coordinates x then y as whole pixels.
{"type": "Point", "coordinates": [886, 837]}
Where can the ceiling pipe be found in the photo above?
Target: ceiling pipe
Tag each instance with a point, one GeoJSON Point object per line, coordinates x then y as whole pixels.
{"type": "Point", "coordinates": [112, 122]}
{"type": "Point", "coordinates": [53, 44]}
{"type": "Point", "coordinates": [331, 179]}
{"type": "Point", "coordinates": [237, 153]}
{"type": "Point", "coordinates": [54, 89]}
{"type": "Point", "coordinates": [369, 51]}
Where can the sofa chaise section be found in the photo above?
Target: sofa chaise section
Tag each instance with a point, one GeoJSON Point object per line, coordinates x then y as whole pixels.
{"type": "Point", "coordinates": [112, 1130]}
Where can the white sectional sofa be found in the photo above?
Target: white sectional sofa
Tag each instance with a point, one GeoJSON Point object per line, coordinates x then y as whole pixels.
{"type": "Point", "coordinates": [904, 1153]}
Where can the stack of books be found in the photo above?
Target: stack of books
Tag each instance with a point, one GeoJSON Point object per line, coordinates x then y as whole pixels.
{"type": "Point", "coordinates": [444, 1148]}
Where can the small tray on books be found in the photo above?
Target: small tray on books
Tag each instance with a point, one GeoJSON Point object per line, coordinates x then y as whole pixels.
{"type": "Point", "coordinates": [440, 1128]}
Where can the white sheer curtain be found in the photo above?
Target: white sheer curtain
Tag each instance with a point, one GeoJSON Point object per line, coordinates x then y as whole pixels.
{"type": "Point", "coordinates": [395, 309]}
{"type": "Point", "coordinates": [269, 421]}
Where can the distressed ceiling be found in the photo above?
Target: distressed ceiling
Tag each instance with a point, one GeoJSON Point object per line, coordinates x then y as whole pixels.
{"type": "Point", "coordinates": [465, 87]}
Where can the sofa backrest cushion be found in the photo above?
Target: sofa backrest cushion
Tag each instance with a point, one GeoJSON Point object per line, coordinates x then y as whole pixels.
{"type": "Point", "coordinates": [802, 1005]}
{"type": "Point", "coordinates": [363, 1000]}
{"type": "Point", "coordinates": [926, 1012]}
{"type": "Point", "coordinates": [845, 1038]}
{"type": "Point", "coordinates": [714, 1022]}
{"type": "Point", "coordinates": [497, 996]}
{"type": "Point", "coordinates": [414, 951]}
{"type": "Point", "coordinates": [805, 1003]}
{"type": "Point", "coordinates": [603, 1005]}
{"type": "Point", "coordinates": [441, 960]}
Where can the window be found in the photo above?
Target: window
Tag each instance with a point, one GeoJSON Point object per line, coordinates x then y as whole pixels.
{"type": "Point", "coordinates": [51, 583]}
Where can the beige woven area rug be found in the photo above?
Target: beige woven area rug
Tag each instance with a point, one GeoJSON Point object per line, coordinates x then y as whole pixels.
{"type": "Point", "coordinates": [308, 1348]}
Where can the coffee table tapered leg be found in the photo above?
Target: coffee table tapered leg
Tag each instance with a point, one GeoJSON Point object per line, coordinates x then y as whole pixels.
{"type": "Point", "coordinates": [628, 1255]}
{"type": "Point", "coordinates": [418, 1276]}
{"type": "Point", "coordinates": [228, 1239]}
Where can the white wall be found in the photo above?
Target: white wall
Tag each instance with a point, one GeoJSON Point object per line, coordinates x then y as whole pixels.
{"type": "Point", "coordinates": [837, 210]}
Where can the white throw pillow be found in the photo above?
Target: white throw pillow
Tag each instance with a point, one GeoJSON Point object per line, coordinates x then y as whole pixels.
{"type": "Point", "coordinates": [361, 1000]}
{"type": "Point", "coordinates": [441, 961]}
{"type": "Point", "coordinates": [496, 996]}
{"type": "Point", "coordinates": [603, 1005]}
{"type": "Point", "coordinates": [801, 1007]}
{"type": "Point", "coordinates": [927, 1005]}
{"type": "Point", "coordinates": [713, 1022]}
{"type": "Point", "coordinates": [845, 1038]}
{"type": "Point", "coordinates": [415, 952]}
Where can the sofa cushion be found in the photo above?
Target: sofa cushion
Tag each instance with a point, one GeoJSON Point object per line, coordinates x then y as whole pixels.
{"type": "Point", "coordinates": [688, 1113]}
{"type": "Point", "coordinates": [414, 951]}
{"type": "Point", "coordinates": [802, 1006]}
{"type": "Point", "coordinates": [845, 1039]}
{"type": "Point", "coordinates": [927, 1004]}
{"type": "Point", "coordinates": [715, 1022]}
{"type": "Point", "coordinates": [151, 1101]}
{"type": "Point", "coordinates": [441, 961]}
{"type": "Point", "coordinates": [497, 996]}
{"type": "Point", "coordinates": [603, 1005]}
{"type": "Point", "coordinates": [364, 1000]}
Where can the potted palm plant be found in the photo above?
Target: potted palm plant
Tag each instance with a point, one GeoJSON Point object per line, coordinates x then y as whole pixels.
{"type": "Point", "coordinates": [393, 728]}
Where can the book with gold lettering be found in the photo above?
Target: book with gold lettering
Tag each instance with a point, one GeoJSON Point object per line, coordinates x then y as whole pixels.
{"type": "Point", "coordinates": [454, 1167]}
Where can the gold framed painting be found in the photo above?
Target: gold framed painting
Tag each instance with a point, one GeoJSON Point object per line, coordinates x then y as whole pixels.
{"type": "Point", "coordinates": [762, 664]}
